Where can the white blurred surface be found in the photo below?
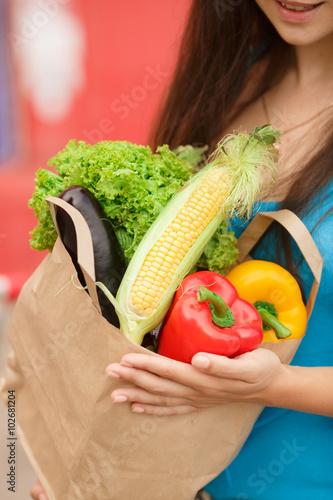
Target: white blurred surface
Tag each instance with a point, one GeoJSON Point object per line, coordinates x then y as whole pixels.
{"type": "Point", "coordinates": [49, 46]}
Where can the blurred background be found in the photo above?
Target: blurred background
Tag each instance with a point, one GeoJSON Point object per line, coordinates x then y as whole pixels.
{"type": "Point", "coordinates": [69, 69]}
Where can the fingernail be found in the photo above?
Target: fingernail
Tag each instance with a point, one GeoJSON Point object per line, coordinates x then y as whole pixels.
{"type": "Point", "coordinates": [120, 399]}
{"type": "Point", "coordinates": [113, 374]}
{"type": "Point", "coordinates": [138, 409]}
{"type": "Point", "coordinates": [125, 363]}
{"type": "Point", "coordinates": [42, 497]}
{"type": "Point", "coordinates": [201, 361]}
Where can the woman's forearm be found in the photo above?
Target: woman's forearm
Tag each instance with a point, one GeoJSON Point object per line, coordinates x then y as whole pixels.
{"type": "Point", "coordinates": [306, 389]}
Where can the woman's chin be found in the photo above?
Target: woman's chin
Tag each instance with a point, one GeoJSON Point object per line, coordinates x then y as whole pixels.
{"type": "Point", "coordinates": [304, 37]}
{"type": "Point", "coordinates": [300, 27]}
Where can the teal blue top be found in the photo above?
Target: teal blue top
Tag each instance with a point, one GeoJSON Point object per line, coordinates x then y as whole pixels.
{"type": "Point", "coordinates": [289, 454]}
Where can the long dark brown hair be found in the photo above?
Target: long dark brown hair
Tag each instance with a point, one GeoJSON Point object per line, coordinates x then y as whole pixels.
{"type": "Point", "coordinates": [222, 44]}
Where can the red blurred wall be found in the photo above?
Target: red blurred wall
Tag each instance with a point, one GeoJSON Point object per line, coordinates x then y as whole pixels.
{"type": "Point", "coordinates": [129, 52]}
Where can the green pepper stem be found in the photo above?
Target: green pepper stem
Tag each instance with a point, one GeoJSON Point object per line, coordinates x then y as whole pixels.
{"type": "Point", "coordinates": [281, 331]}
{"type": "Point", "coordinates": [220, 307]}
{"type": "Point", "coordinates": [221, 313]}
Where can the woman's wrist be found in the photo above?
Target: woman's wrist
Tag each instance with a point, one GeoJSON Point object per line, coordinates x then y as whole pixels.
{"type": "Point", "coordinates": [276, 392]}
{"type": "Point", "coordinates": [300, 388]}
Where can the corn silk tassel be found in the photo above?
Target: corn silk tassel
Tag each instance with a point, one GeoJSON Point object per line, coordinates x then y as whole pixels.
{"type": "Point", "coordinates": [228, 185]}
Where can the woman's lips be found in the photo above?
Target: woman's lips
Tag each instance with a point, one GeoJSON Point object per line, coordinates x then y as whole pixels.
{"type": "Point", "coordinates": [297, 16]}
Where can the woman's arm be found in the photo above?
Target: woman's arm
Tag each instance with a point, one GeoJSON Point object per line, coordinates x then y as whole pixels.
{"type": "Point", "coordinates": [164, 386]}
{"type": "Point", "coordinates": [306, 389]}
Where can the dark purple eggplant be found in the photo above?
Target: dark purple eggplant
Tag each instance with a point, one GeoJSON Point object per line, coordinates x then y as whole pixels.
{"type": "Point", "coordinates": [109, 260]}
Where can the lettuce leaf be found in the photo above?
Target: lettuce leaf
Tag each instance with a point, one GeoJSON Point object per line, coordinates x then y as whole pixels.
{"type": "Point", "coordinates": [47, 184]}
{"type": "Point", "coordinates": [132, 184]}
{"type": "Point", "coordinates": [220, 253]}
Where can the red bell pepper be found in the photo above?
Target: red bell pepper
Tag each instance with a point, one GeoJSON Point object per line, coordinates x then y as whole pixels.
{"type": "Point", "coordinates": [207, 315]}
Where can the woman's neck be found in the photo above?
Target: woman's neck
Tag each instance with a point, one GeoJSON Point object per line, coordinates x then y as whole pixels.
{"type": "Point", "coordinates": [314, 64]}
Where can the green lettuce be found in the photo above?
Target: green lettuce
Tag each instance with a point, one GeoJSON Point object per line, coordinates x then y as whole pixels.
{"type": "Point", "coordinates": [132, 185]}
{"type": "Point", "coordinates": [220, 253]}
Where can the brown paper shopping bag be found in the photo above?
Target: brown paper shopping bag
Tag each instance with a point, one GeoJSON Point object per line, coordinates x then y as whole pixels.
{"type": "Point", "coordinates": [81, 445]}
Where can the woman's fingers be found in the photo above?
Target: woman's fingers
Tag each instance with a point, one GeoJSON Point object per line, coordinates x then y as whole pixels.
{"type": "Point", "coordinates": [164, 410]}
{"type": "Point", "coordinates": [142, 396]}
{"type": "Point", "coordinates": [223, 367]}
{"type": "Point", "coordinates": [155, 390]}
{"type": "Point", "coordinates": [248, 367]}
{"type": "Point", "coordinates": [207, 371]}
{"type": "Point", "coordinates": [147, 380]}
{"type": "Point", "coordinates": [37, 492]}
{"type": "Point", "coordinates": [210, 380]}
{"type": "Point", "coordinates": [164, 376]}
{"type": "Point", "coordinates": [212, 364]}
{"type": "Point", "coordinates": [163, 368]}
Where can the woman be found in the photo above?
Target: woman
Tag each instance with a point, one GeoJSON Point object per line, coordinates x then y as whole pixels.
{"type": "Point", "coordinates": [244, 64]}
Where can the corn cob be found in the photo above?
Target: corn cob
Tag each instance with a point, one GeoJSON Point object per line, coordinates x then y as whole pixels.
{"type": "Point", "coordinates": [168, 252]}
{"type": "Point", "coordinates": [230, 183]}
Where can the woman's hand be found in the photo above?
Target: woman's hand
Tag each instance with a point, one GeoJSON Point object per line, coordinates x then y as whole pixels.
{"type": "Point", "coordinates": [163, 386]}
{"type": "Point", "coordinates": [37, 492]}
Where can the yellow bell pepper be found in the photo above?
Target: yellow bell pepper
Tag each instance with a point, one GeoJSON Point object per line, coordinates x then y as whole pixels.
{"type": "Point", "coordinates": [267, 284]}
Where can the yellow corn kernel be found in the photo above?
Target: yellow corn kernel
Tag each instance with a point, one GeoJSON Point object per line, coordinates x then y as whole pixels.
{"type": "Point", "coordinates": [168, 259]}
{"type": "Point", "coordinates": [176, 246]}
{"type": "Point", "coordinates": [150, 274]}
{"type": "Point", "coordinates": [137, 301]}
{"type": "Point", "coordinates": [164, 250]}
{"type": "Point", "coordinates": [146, 285]}
{"type": "Point", "coordinates": [154, 270]}
{"type": "Point", "coordinates": [167, 253]}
